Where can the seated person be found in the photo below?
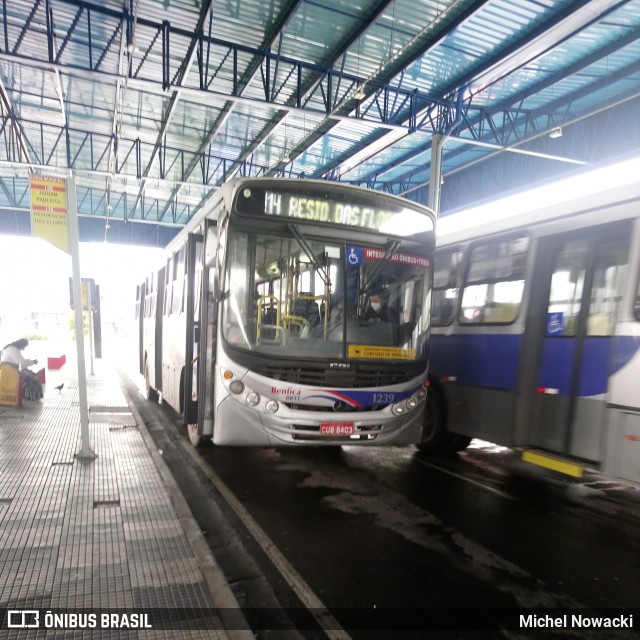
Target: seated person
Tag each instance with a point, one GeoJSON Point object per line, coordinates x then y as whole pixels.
{"type": "Point", "coordinates": [12, 355]}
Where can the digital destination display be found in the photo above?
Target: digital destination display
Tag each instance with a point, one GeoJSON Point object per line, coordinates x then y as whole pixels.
{"type": "Point", "coordinates": [323, 210]}
{"type": "Point", "coordinates": [314, 205]}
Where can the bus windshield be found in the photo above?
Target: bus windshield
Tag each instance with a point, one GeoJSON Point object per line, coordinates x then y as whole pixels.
{"type": "Point", "coordinates": [296, 295]}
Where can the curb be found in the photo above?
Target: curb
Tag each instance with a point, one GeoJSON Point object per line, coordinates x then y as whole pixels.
{"type": "Point", "coordinates": [222, 596]}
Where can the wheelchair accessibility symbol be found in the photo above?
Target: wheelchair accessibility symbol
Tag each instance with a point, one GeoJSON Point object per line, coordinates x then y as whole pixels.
{"type": "Point", "coordinates": [355, 256]}
{"type": "Point", "coordinates": [555, 324]}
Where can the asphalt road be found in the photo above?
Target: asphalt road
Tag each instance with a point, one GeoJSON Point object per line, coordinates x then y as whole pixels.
{"type": "Point", "coordinates": [387, 537]}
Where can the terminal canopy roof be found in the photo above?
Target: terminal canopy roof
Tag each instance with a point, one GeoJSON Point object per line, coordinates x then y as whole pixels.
{"type": "Point", "coordinates": [153, 104]}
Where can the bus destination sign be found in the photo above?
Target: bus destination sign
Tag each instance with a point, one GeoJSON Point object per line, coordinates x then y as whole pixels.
{"type": "Point", "coordinates": [322, 210]}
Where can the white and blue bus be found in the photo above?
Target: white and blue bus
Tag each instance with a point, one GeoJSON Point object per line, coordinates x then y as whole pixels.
{"type": "Point", "coordinates": [258, 328]}
{"type": "Point", "coordinates": [536, 331]}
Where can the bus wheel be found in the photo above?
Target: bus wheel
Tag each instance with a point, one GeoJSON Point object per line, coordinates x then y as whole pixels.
{"type": "Point", "coordinates": [433, 428]}
{"type": "Point", "coordinates": [194, 437]}
{"type": "Point", "coordinates": [152, 394]}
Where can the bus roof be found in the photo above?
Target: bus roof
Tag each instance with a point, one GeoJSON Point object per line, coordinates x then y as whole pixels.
{"type": "Point", "coordinates": [581, 194]}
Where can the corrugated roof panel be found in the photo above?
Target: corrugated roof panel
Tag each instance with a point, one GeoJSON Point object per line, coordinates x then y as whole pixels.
{"type": "Point", "coordinates": [622, 89]}
{"type": "Point", "coordinates": [189, 125]}
{"type": "Point", "coordinates": [599, 71]}
{"type": "Point", "coordinates": [317, 29]}
{"type": "Point", "coordinates": [331, 147]}
{"type": "Point", "coordinates": [334, 145]}
{"type": "Point", "coordinates": [313, 35]}
{"type": "Point", "coordinates": [384, 158]}
{"type": "Point", "coordinates": [568, 53]}
{"type": "Point", "coordinates": [219, 75]}
{"type": "Point", "coordinates": [141, 115]}
{"type": "Point", "coordinates": [407, 23]}
{"type": "Point", "coordinates": [75, 50]}
{"type": "Point", "coordinates": [420, 165]}
{"type": "Point", "coordinates": [182, 13]}
{"type": "Point", "coordinates": [364, 39]}
{"type": "Point", "coordinates": [32, 92]}
{"type": "Point", "coordinates": [245, 22]}
{"type": "Point", "coordinates": [480, 37]}
{"type": "Point", "coordinates": [88, 107]}
{"type": "Point", "coordinates": [242, 125]}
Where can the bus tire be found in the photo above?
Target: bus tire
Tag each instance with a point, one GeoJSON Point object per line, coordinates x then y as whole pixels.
{"type": "Point", "coordinates": [152, 394]}
{"type": "Point", "coordinates": [434, 434]}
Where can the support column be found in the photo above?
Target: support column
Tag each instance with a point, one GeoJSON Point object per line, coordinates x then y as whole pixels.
{"type": "Point", "coordinates": [435, 176]}
{"type": "Point", "coordinates": [74, 248]}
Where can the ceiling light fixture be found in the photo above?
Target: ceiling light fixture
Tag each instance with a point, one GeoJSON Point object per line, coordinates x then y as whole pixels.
{"type": "Point", "coordinates": [360, 93]}
{"type": "Point", "coordinates": [556, 133]}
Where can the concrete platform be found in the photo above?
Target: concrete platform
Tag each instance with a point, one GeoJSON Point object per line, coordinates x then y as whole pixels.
{"type": "Point", "coordinates": [106, 535]}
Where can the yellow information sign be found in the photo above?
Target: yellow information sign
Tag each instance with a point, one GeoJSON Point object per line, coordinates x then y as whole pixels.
{"type": "Point", "coordinates": [86, 285]}
{"type": "Point", "coordinates": [49, 210]}
{"type": "Point", "coordinates": [380, 353]}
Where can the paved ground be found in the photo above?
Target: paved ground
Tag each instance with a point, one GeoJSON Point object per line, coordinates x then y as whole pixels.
{"type": "Point", "coordinates": [96, 535]}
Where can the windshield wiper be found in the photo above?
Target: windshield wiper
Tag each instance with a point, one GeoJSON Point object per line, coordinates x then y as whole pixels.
{"type": "Point", "coordinates": [322, 270]}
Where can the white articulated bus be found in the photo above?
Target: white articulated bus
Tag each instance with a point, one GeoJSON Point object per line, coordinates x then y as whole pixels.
{"type": "Point", "coordinates": [258, 329]}
{"type": "Point", "coordinates": [536, 331]}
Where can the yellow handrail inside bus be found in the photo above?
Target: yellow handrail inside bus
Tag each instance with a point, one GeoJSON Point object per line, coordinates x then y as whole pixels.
{"type": "Point", "coordinates": [273, 300]}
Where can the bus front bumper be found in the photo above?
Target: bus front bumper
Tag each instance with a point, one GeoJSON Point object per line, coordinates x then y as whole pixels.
{"type": "Point", "coordinates": [240, 425]}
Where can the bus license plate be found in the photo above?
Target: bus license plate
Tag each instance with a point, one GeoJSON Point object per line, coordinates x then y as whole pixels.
{"type": "Point", "coordinates": [336, 428]}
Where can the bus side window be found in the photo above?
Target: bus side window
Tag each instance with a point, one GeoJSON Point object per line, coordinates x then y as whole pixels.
{"type": "Point", "coordinates": [608, 284]}
{"type": "Point", "coordinates": [446, 281]}
{"type": "Point", "coordinates": [494, 284]}
{"type": "Point", "coordinates": [567, 282]}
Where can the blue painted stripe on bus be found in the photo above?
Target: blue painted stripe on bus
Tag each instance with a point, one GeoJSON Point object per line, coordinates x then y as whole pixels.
{"type": "Point", "coordinates": [486, 360]}
{"type": "Point", "coordinates": [596, 364]}
{"type": "Point", "coordinates": [556, 364]}
{"type": "Point", "coordinates": [601, 357]}
{"type": "Point", "coordinates": [492, 360]}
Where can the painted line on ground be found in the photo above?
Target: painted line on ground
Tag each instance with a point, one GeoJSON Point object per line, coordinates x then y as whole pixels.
{"type": "Point", "coordinates": [316, 607]}
{"type": "Point", "coordinates": [461, 477]}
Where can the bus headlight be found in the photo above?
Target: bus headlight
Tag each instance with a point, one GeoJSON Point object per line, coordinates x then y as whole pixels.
{"type": "Point", "coordinates": [420, 394]}
{"type": "Point", "coordinates": [271, 406]}
{"type": "Point", "coordinates": [397, 409]}
{"type": "Point", "coordinates": [252, 399]}
{"type": "Point", "coordinates": [412, 403]}
{"type": "Point", "coordinates": [236, 387]}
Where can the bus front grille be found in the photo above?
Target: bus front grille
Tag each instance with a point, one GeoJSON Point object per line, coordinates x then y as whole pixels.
{"type": "Point", "coordinates": [357, 377]}
{"type": "Point", "coordinates": [343, 407]}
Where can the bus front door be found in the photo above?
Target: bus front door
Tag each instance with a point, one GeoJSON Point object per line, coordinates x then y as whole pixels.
{"type": "Point", "coordinates": [584, 283]}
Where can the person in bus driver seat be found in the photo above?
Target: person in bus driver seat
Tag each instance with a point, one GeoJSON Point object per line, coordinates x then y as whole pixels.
{"type": "Point", "coordinates": [378, 309]}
